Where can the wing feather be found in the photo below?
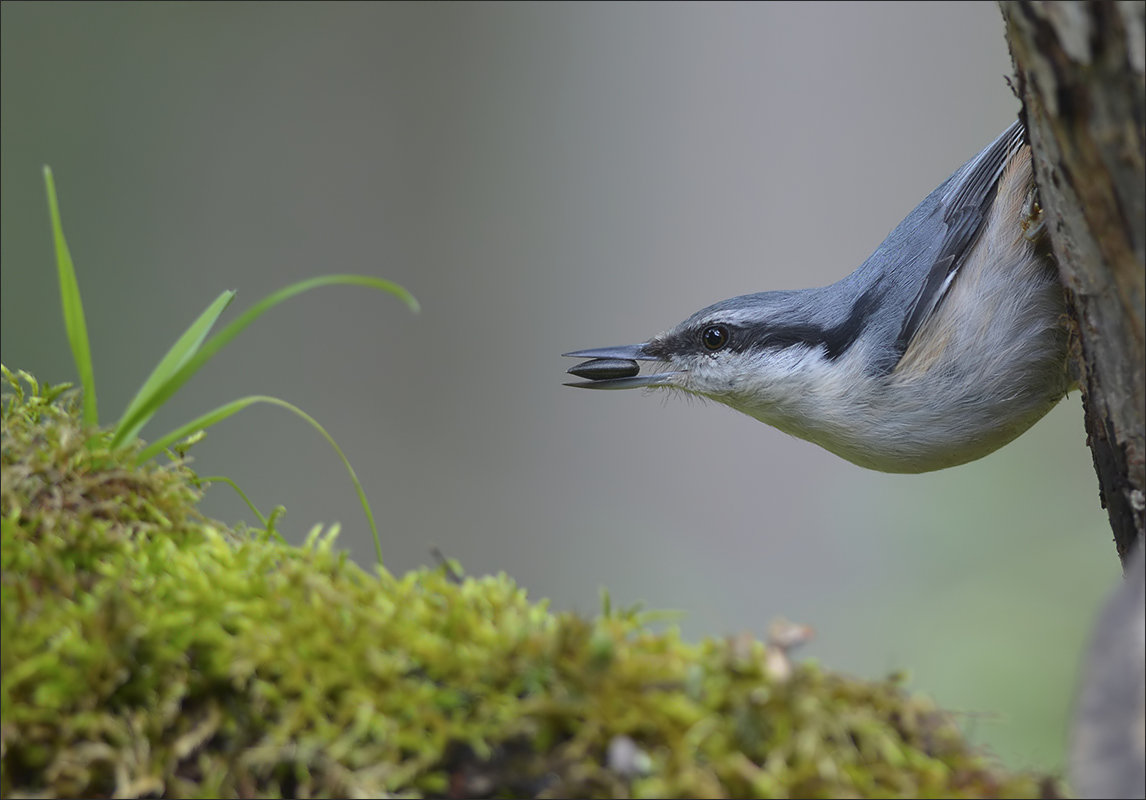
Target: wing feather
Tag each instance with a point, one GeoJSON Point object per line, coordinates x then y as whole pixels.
{"type": "Point", "coordinates": [966, 204]}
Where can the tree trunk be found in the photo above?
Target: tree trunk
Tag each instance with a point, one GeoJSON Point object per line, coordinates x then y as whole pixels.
{"type": "Point", "coordinates": [1081, 68]}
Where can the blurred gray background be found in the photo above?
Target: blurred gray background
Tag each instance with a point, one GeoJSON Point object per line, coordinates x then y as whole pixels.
{"type": "Point", "coordinates": [547, 177]}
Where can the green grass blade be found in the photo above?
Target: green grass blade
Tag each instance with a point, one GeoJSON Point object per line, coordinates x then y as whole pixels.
{"type": "Point", "coordinates": [187, 345]}
{"type": "Point", "coordinates": [73, 308]}
{"type": "Point", "coordinates": [224, 411]}
{"type": "Point", "coordinates": [225, 480]}
{"type": "Point", "coordinates": [131, 424]}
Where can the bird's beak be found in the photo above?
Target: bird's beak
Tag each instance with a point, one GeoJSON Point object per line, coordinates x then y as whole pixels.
{"type": "Point", "coordinates": [616, 368]}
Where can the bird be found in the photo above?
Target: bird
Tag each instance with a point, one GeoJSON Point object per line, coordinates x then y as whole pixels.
{"type": "Point", "coordinates": [947, 343]}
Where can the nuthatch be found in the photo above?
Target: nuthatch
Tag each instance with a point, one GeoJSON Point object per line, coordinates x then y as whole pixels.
{"type": "Point", "coordinates": [946, 344]}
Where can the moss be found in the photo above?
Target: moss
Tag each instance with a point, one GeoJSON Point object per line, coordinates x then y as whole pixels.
{"type": "Point", "coordinates": [149, 651]}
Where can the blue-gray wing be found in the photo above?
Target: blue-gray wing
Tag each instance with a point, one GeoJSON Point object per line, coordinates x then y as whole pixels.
{"type": "Point", "coordinates": [965, 205]}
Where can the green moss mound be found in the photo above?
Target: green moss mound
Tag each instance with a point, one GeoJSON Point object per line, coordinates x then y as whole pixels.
{"type": "Point", "coordinates": [148, 651]}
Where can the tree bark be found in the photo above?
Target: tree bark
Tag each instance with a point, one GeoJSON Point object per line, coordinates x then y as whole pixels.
{"type": "Point", "coordinates": [1081, 69]}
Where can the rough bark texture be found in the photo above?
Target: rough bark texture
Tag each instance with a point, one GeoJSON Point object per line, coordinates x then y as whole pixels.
{"type": "Point", "coordinates": [1081, 68]}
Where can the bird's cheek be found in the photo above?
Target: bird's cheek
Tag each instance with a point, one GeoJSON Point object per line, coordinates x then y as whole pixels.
{"type": "Point", "coordinates": [705, 376]}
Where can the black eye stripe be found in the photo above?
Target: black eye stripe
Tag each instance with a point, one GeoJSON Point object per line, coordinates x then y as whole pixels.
{"type": "Point", "coordinates": [747, 335]}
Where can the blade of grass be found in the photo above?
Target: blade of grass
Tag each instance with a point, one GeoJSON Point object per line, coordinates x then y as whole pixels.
{"type": "Point", "coordinates": [184, 348]}
{"type": "Point", "coordinates": [227, 410]}
{"type": "Point", "coordinates": [224, 479]}
{"type": "Point", "coordinates": [131, 424]}
{"type": "Point", "coordinates": [73, 308]}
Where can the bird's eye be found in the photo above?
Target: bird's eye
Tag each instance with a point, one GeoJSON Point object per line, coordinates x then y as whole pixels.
{"type": "Point", "coordinates": [714, 337]}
